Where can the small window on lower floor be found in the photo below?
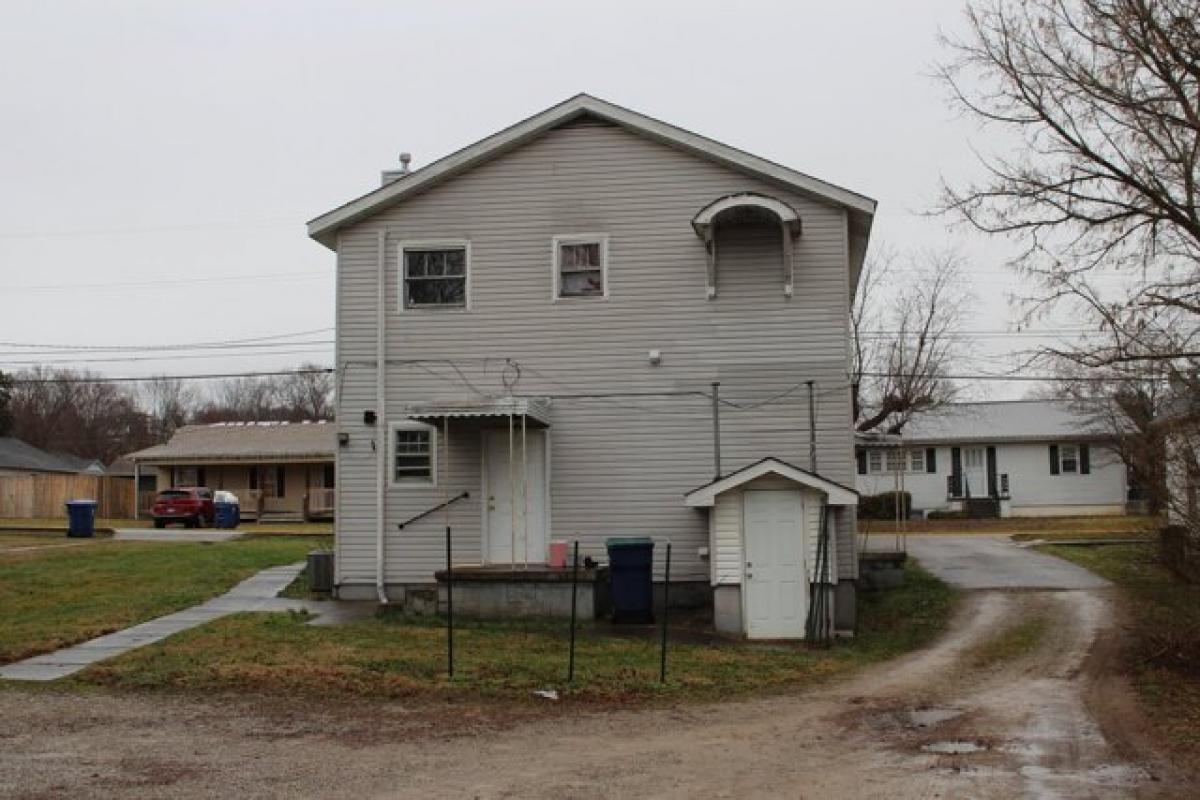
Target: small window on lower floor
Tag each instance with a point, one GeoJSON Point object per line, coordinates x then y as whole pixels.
{"type": "Point", "coordinates": [414, 453]}
{"type": "Point", "coordinates": [874, 461]}
{"type": "Point", "coordinates": [916, 460]}
{"type": "Point", "coordinates": [1068, 458]}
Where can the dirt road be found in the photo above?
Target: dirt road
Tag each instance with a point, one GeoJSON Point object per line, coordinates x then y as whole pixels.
{"type": "Point", "coordinates": [1051, 723]}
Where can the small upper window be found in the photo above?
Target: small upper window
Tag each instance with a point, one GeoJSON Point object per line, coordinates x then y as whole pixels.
{"type": "Point", "coordinates": [1068, 458]}
{"type": "Point", "coordinates": [414, 454]}
{"type": "Point", "coordinates": [580, 266]}
{"type": "Point", "coordinates": [435, 277]}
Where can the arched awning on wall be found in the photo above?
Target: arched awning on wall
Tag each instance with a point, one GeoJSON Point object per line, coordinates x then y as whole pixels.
{"type": "Point", "coordinates": [747, 207]}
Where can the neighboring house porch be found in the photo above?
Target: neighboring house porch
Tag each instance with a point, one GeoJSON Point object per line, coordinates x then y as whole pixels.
{"type": "Point", "coordinates": [279, 471]}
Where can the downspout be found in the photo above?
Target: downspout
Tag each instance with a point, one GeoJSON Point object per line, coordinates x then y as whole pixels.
{"type": "Point", "coordinates": [381, 436]}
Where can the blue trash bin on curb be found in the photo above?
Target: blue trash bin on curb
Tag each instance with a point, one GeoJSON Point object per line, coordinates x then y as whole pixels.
{"type": "Point", "coordinates": [225, 515]}
{"type": "Point", "coordinates": [81, 518]}
{"type": "Point", "coordinates": [631, 574]}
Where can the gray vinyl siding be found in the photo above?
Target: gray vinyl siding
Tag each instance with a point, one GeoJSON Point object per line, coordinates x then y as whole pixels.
{"type": "Point", "coordinates": [618, 466]}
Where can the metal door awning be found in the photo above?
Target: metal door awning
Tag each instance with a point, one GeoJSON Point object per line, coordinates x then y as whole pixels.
{"type": "Point", "coordinates": [535, 410]}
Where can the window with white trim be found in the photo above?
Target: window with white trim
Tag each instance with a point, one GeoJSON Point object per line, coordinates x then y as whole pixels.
{"type": "Point", "coordinates": [580, 266]}
{"type": "Point", "coordinates": [896, 460]}
{"type": "Point", "coordinates": [414, 453]}
{"type": "Point", "coordinates": [1068, 458]}
{"type": "Point", "coordinates": [434, 276]}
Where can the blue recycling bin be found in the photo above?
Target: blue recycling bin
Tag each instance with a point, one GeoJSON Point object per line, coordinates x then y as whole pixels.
{"type": "Point", "coordinates": [631, 574]}
{"type": "Point", "coordinates": [81, 518]}
{"type": "Point", "coordinates": [226, 515]}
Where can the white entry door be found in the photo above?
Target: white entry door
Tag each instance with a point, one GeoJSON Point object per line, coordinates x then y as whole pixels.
{"type": "Point", "coordinates": [515, 499]}
{"type": "Point", "coordinates": [776, 586]}
{"type": "Point", "coordinates": [975, 471]}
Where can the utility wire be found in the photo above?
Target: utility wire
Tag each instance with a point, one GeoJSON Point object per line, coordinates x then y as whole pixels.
{"type": "Point", "coordinates": [151, 284]}
{"type": "Point", "coordinates": [182, 345]}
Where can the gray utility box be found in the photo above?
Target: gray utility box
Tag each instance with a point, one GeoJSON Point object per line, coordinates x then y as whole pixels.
{"type": "Point", "coordinates": [320, 571]}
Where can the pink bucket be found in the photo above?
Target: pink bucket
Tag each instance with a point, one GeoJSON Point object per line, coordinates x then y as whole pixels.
{"type": "Point", "coordinates": [558, 554]}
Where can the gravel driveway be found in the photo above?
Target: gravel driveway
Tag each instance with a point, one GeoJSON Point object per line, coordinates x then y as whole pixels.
{"type": "Point", "coordinates": [1055, 723]}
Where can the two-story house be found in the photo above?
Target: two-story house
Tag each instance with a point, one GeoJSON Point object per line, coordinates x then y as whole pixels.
{"type": "Point", "coordinates": [529, 331]}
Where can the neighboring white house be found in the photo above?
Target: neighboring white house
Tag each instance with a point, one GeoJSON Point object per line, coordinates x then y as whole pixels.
{"type": "Point", "coordinates": [528, 332]}
{"type": "Point", "coordinates": [1011, 458]}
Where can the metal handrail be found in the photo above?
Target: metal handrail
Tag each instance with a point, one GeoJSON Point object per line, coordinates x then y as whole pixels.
{"type": "Point", "coordinates": [438, 507]}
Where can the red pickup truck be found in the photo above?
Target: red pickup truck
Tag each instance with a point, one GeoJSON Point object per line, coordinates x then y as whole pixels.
{"type": "Point", "coordinates": [191, 505]}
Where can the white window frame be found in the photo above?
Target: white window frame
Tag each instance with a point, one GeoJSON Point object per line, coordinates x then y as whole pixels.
{"type": "Point", "coordinates": [556, 244]}
{"type": "Point", "coordinates": [875, 461]}
{"type": "Point", "coordinates": [432, 244]}
{"type": "Point", "coordinates": [1062, 459]}
{"type": "Point", "coordinates": [413, 425]}
{"type": "Point", "coordinates": [915, 454]}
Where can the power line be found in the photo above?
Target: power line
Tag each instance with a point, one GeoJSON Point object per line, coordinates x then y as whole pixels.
{"type": "Point", "coordinates": [171, 357]}
{"type": "Point", "coordinates": [151, 284]}
{"type": "Point", "coordinates": [206, 376]}
{"type": "Point", "coordinates": [179, 345]}
{"type": "Point", "coordinates": [211, 351]}
{"type": "Point", "coordinates": [268, 222]}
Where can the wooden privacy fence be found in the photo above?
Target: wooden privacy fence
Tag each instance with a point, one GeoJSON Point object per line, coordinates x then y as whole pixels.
{"type": "Point", "coordinates": [45, 496]}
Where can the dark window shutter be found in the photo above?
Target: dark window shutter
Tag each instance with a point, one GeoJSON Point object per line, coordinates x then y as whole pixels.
{"type": "Point", "coordinates": [931, 459]}
{"type": "Point", "coordinates": [1053, 459]}
{"type": "Point", "coordinates": [991, 472]}
{"type": "Point", "coordinates": [200, 477]}
{"type": "Point", "coordinates": [860, 456]}
{"type": "Point", "coordinates": [279, 482]}
{"type": "Point", "coordinates": [253, 479]}
{"type": "Point", "coordinates": [1085, 460]}
{"type": "Point", "coordinates": [956, 487]}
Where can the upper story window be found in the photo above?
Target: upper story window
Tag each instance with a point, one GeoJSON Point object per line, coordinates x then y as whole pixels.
{"type": "Point", "coordinates": [435, 274]}
{"type": "Point", "coordinates": [580, 266]}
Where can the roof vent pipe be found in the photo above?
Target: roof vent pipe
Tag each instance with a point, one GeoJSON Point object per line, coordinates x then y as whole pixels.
{"type": "Point", "coordinates": [392, 175]}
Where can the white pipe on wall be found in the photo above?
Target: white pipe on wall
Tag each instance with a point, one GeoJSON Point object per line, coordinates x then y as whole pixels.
{"type": "Point", "coordinates": [381, 431]}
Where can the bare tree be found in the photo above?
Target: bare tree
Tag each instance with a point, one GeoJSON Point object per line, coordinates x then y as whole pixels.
{"type": "Point", "coordinates": [76, 412]}
{"type": "Point", "coordinates": [307, 394]}
{"type": "Point", "coordinates": [6, 420]}
{"type": "Point", "coordinates": [1129, 405]}
{"type": "Point", "coordinates": [1103, 100]}
{"type": "Point", "coordinates": [903, 344]}
{"type": "Point", "coordinates": [171, 402]}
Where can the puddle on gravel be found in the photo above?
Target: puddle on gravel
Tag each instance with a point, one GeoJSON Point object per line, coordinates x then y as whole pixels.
{"type": "Point", "coordinates": [954, 748]}
{"type": "Point", "coordinates": [928, 717]}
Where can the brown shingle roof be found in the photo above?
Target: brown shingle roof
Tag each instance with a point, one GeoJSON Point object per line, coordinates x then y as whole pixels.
{"type": "Point", "coordinates": [245, 441]}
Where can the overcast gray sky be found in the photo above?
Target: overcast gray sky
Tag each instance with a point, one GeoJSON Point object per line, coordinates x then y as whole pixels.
{"type": "Point", "coordinates": [160, 159]}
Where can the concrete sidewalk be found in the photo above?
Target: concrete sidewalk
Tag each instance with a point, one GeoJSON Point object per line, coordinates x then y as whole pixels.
{"type": "Point", "coordinates": [257, 593]}
{"type": "Point", "coordinates": [155, 535]}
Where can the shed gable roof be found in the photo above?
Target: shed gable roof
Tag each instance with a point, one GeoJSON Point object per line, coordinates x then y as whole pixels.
{"type": "Point", "coordinates": [324, 227]}
{"type": "Point", "coordinates": [706, 495]}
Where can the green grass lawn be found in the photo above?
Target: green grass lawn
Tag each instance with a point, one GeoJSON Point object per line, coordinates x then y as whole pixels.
{"type": "Point", "coordinates": [60, 523]}
{"type": "Point", "coordinates": [51, 597]}
{"type": "Point", "coordinates": [1163, 657]}
{"type": "Point", "coordinates": [397, 656]}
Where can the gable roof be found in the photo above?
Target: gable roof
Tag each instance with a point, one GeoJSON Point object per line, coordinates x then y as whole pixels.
{"type": "Point", "coordinates": [23, 457]}
{"type": "Point", "coordinates": [245, 441]}
{"type": "Point", "coordinates": [706, 495]}
{"type": "Point", "coordinates": [998, 421]}
{"type": "Point", "coordinates": [324, 228]}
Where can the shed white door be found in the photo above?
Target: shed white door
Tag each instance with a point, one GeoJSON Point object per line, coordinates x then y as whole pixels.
{"type": "Point", "coordinates": [776, 590]}
{"type": "Point", "coordinates": [515, 506]}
